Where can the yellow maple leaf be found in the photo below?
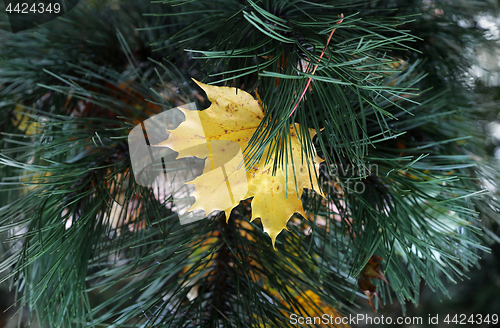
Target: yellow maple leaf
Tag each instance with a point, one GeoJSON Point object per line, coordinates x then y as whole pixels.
{"type": "Point", "coordinates": [223, 131]}
{"type": "Point", "coordinates": [308, 303]}
{"type": "Point", "coordinates": [24, 122]}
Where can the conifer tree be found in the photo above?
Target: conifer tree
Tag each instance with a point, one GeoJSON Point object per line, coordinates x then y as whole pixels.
{"type": "Point", "coordinates": [402, 190]}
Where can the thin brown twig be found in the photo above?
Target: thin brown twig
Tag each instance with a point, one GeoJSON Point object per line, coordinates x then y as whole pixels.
{"type": "Point", "coordinates": [316, 66]}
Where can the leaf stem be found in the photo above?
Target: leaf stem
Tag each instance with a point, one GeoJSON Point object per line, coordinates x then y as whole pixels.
{"type": "Point", "coordinates": [316, 66]}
